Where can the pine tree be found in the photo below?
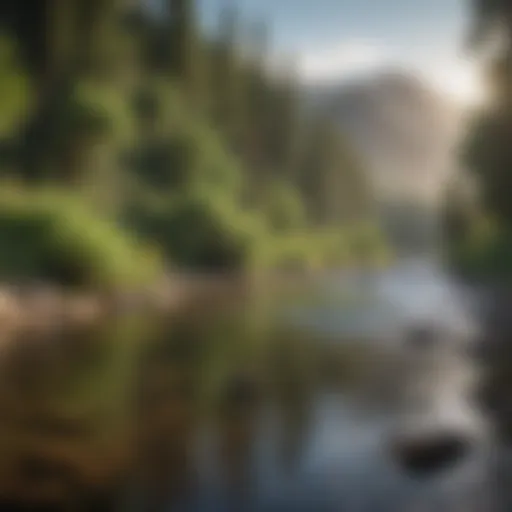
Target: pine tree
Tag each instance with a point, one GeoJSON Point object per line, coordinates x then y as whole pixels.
{"type": "Point", "coordinates": [227, 78]}
{"type": "Point", "coordinates": [187, 63]}
{"type": "Point", "coordinates": [487, 152]}
{"type": "Point", "coordinates": [284, 125]}
{"type": "Point", "coordinates": [257, 103]}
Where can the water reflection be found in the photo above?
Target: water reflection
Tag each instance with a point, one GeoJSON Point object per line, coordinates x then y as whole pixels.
{"type": "Point", "coordinates": [223, 411]}
{"type": "Point", "coordinates": [240, 402]}
{"type": "Point", "coordinates": [64, 407]}
{"type": "Point", "coordinates": [294, 388]}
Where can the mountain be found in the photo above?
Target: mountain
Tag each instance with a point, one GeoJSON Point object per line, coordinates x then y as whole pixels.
{"type": "Point", "coordinates": [404, 132]}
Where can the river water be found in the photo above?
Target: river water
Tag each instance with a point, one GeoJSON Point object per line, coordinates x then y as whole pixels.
{"type": "Point", "coordinates": [280, 402]}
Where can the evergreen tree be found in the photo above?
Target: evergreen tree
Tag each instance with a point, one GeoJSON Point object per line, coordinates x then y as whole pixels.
{"type": "Point", "coordinates": [258, 104]}
{"type": "Point", "coordinates": [187, 56]}
{"type": "Point", "coordinates": [284, 125]}
{"type": "Point", "coordinates": [227, 79]}
{"type": "Point", "coordinates": [147, 117]}
{"type": "Point", "coordinates": [487, 152]}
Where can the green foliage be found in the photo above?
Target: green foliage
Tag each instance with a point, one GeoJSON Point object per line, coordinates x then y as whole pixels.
{"type": "Point", "coordinates": [15, 90]}
{"type": "Point", "coordinates": [159, 107]}
{"type": "Point", "coordinates": [186, 62]}
{"type": "Point", "coordinates": [284, 207]}
{"type": "Point", "coordinates": [89, 111]}
{"type": "Point", "coordinates": [486, 253]}
{"type": "Point", "coordinates": [226, 79]}
{"type": "Point", "coordinates": [480, 239]}
{"type": "Point", "coordinates": [367, 243]}
{"type": "Point", "coordinates": [202, 231]}
{"type": "Point", "coordinates": [194, 145]}
{"type": "Point", "coordinates": [98, 109]}
{"type": "Point", "coordinates": [52, 235]}
{"type": "Point", "coordinates": [187, 154]}
{"type": "Point", "coordinates": [79, 119]}
{"type": "Point", "coordinates": [488, 154]}
{"type": "Point", "coordinates": [326, 248]}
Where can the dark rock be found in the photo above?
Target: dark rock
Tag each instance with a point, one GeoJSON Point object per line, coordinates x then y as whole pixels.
{"type": "Point", "coordinates": [429, 454]}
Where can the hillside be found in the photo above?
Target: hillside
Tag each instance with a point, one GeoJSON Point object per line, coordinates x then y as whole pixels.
{"type": "Point", "coordinates": [403, 130]}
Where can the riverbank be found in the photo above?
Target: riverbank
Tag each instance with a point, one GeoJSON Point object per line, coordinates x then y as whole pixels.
{"type": "Point", "coordinates": [43, 306]}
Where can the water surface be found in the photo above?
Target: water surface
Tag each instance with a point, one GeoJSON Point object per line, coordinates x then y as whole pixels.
{"type": "Point", "coordinates": [281, 402]}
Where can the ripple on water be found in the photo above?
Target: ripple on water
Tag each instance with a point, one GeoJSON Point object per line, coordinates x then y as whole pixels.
{"type": "Point", "coordinates": [381, 305]}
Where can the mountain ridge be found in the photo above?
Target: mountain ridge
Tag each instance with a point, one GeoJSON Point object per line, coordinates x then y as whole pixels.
{"type": "Point", "coordinates": [404, 130]}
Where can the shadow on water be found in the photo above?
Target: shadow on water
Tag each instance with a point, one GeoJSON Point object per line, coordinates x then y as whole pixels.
{"type": "Point", "coordinates": [220, 409]}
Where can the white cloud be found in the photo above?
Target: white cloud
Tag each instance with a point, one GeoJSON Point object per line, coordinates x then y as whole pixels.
{"type": "Point", "coordinates": [340, 60]}
{"type": "Point", "coordinates": [451, 75]}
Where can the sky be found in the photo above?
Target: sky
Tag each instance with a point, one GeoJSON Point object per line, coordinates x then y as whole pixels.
{"type": "Point", "coordinates": [336, 39]}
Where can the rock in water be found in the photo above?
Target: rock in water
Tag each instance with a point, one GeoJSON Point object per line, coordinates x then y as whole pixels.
{"type": "Point", "coordinates": [427, 455]}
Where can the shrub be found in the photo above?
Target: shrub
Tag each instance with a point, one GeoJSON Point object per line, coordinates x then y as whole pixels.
{"type": "Point", "coordinates": [53, 236]}
{"type": "Point", "coordinates": [202, 231]}
{"type": "Point", "coordinates": [284, 208]}
{"type": "Point", "coordinates": [486, 252]}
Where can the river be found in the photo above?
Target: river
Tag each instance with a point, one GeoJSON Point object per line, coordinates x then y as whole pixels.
{"type": "Point", "coordinates": [282, 402]}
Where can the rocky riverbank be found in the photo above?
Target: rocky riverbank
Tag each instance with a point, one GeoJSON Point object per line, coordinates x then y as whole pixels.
{"type": "Point", "coordinates": [38, 307]}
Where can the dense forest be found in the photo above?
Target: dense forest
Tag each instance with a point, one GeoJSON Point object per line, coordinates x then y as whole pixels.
{"type": "Point", "coordinates": [129, 139]}
{"type": "Point", "coordinates": [478, 207]}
